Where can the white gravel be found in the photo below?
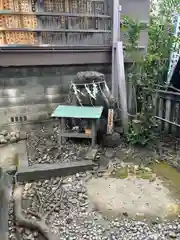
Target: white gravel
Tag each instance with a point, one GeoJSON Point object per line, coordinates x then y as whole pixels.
{"type": "Point", "coordinates": [76, 219]}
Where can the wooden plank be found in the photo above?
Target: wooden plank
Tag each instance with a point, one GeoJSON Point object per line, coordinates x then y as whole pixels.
{"type": "Point", "coordinates": [160, 112]}
{"type": "Point", "coordinates": [110, 123]}
{"type": "Point", "coordinates": [130, 97]}
{"type": "Point", "coordinates": [122, 84]}
{"type": "Point", "coordinates": [132, 103]}
{"type": "Point", "coordinates": [165, 92]}
{"type": "Point", "coordinates": [167, 121]}
{"type": "Point", "coordinates": [115, 39]}
{"type": "Point", "coordinates": [74, 135]}
{"type": "Point", "coordinates": [54, 30]}
{"type": "Point", "coordinates": [163, 113]}
{"type": "Point", "coordinates": [167, 114]}
{"type": "Point", "coordinates": [157, 103]}
{"type": "Point", "coordinates": [178, 118]}
{"type": "Point", "coordinates": [172, 128]}
{"type": "Point", "coordinates": [66, 14]}
{"type": "Point", "coordinates": [62, 129]}
{"type": "Point", "coordinates": [174, 116]}
{"type": "Point", "coordinates": [93, 133]}
{"type": "Point", "coordinates": [168, 92]}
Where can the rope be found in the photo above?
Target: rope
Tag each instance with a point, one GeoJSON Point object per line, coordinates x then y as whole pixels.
{"type": "Point", "coordinates": [83, 84]}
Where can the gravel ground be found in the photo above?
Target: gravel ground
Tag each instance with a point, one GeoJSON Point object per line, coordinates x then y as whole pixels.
{"type": "Point", "coordinates": [75, 218]}
{"type": "Point", "coordinates": [43, 147]}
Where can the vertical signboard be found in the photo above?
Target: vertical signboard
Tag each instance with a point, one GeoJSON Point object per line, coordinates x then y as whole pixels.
{"type": "Point", "coordinates": [110, 123]}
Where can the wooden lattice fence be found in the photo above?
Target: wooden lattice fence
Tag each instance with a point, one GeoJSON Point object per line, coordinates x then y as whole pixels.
{"type": "Point", "coordinates": [165, 104]}
{"type": "Point", "coordinates": [168, 111]}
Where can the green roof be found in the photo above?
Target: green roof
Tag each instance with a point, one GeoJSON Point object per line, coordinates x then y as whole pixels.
{"type": "Point", "coordinates": [77, 112]}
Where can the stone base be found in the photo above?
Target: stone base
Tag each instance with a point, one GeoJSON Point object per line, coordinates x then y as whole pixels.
{"type": "Point", "coordinates": [112, 140]}
{"type": "Point", "coordinates": [47, 171]}
{"type": "Point", "coordinates": [91, 154]}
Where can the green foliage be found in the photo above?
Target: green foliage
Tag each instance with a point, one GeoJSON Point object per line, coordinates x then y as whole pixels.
{"type": "Point", "coordinates": [149, 71]}
{"type": "Point", "coordinates": [141, 129]}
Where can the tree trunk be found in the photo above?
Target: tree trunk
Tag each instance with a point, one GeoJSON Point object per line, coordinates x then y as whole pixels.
{"type": "Point", "coordinates": [32, 224]}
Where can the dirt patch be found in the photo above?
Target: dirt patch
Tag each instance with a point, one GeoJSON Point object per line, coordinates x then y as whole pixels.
{"type": "Point", "coordinates": [131, 196]}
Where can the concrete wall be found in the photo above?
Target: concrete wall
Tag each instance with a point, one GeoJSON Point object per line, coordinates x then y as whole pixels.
{"type": "Point", "coordinates": [32, 93]}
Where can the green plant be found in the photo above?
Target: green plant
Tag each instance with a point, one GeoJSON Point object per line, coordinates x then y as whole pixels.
{"type": "Point", "coordinates": [150, 70]}
{"type": "Point", "coordinates": [140, 132]}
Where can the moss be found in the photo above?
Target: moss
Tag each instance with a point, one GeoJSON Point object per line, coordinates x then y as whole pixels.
{"type": "Point", "coordinates": [168, 173]}
{"type": "Point", "coordinates": [121, 173]}
{"type": "Point", "coordinates": [141, 173]}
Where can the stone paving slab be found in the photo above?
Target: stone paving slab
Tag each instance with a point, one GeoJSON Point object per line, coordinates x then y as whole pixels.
{"type": "Point", "coordinates": [91, 154]}
{"type": "Point", "coordinates": [46, 171]}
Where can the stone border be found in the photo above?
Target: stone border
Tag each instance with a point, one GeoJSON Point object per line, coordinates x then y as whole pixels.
{"type": "Point", "coordinates": [26, 173]}
{"type": "Point", "coordinates": [37, 172]}
{"type": "Point", "coordinates": [46, 171]}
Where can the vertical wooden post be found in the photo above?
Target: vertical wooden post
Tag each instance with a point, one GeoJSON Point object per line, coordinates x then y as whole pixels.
{"type": "Point", "coordinates": [156, 105]}
{"type": "Point", "coordinates": [118, 72]}
{"type": "Point", "coordinates": [61, 130]}
{"type": "Point", "coordinates": [167, 114]}
{"type": "Point", "coordinates": [110, 123]}
{"type": "Point", "coordinates": [159, 112]}
{"type": "Point", "coordinates": [122, 85]}
{"type": "Point", "coordinates": [178, 118]}
{"type": "Point", "coordinates": [115, 37]}
{"type": "Point", "coordinates": [172, 128]}
{"type": "Point", "coordinates": [93, 133]}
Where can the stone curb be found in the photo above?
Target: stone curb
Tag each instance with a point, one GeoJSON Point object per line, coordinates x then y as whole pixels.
{"type": "Point", "coordinates": [46, 171]}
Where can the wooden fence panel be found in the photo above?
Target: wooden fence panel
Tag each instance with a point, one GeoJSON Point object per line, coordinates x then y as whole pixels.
{"type": "Point", "coordinates": [168, 111]}
{"type": "Point", "coordinates": [166, 108]}
{"type": "Point", "coordinates": [178, 118]}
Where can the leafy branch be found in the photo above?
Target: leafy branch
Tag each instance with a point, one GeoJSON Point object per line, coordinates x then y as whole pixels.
{"type": "Point", "coordinates": [150, 69]}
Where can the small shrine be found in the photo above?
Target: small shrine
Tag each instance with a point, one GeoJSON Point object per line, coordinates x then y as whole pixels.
{"type": "Point", "coordinates": [84, 125]}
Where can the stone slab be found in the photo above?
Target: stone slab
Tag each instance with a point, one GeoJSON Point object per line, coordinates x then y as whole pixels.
{"type": "Point", "coordinates": [91, 154]}
{"type": "Point", "coordinates": [46, 171]}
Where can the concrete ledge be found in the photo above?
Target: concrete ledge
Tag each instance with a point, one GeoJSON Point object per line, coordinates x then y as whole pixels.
{"type": "Point", "coordinates": [46, 171]}
{"type": "Point", "coordinates": [52, 57]}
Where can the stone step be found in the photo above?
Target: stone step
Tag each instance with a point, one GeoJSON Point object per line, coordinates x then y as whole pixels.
{"type": "Point", "coordinates": [46, 171]}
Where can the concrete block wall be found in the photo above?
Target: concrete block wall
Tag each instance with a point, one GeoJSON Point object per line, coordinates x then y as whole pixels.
{"type": "Point", "coordinates": [32, 93]}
